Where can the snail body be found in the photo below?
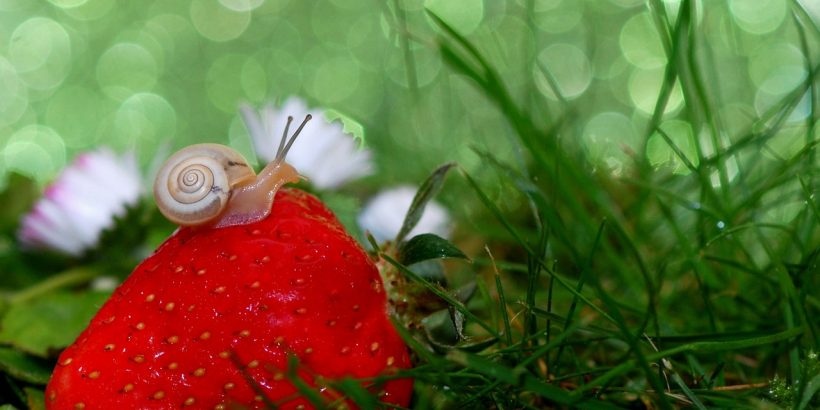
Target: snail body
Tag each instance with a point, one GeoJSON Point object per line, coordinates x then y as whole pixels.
{"type": "Point", "coordinates": [212, 184]}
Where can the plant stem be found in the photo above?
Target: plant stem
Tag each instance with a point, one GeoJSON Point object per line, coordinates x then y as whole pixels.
{"type": "Point", "coordinates": [74, 276]}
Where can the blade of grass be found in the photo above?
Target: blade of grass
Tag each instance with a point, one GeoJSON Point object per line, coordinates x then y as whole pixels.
{"type": "Point", "coordinates": [630, 339]}
{"type": "Point", "coordinates": [523, 379]}
{"type": "Point", "coordinates": [502, 300]}
{"type": "Point", "coordinates": [429, 188]}
{"type": "Point", "coordinates": [404, 39]}
{"type": "Point", "coordinates": [695, 347]}
{"type": "Point", "coordinates": [584, 275]}
{"type": "Point", "coordinates": [533, 276]}
{"type": "Point", "coordinates": [699, 269]}
{"type": "Point", "coordinates": [809, 198]}
{"type": "Point", "coordinates": [688, 393]}
{"type": "Point", "coordinates": [305, 390]}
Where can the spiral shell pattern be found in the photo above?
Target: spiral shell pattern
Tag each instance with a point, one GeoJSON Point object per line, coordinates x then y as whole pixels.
{"type": "Point", "coordinates": [194, 185]}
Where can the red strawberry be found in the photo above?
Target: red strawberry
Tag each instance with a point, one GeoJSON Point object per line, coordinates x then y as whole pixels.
{"type": "Point", "coordinates": [210, 319]}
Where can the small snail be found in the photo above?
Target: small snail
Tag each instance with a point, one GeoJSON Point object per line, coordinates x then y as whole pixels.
{"type": "Point", "coordinates": [213, 184]}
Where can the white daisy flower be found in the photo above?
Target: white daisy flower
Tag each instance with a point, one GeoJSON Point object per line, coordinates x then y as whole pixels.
{"type": "Point", "coordinates": [384, 214]}
{"type": "Point", "coordinates": [82, 202]}
{"type": "Point", "coordinates": [326, 155]}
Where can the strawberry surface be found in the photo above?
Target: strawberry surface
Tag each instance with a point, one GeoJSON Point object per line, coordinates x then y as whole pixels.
{"type": "Point", "coordinates": [211, 318]}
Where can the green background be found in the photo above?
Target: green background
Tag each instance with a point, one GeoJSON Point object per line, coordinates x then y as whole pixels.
{"type": "Point", "coordinates": [157, 75]}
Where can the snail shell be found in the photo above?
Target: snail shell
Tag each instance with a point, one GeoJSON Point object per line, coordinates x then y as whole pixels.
{"type": "Point", "coordinates": [213, 184]}
{"type": "Point", "coordinates": [194, 186]}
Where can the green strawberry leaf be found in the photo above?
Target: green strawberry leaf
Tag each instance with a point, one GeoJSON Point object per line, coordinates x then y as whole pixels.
{"type": "Point", "coordinates": [465, 292]}
{"type": "Point", "coordinates": [23, 367]}
{"type": "Point", "coordinates": [349, 125]}
{"type": "Point", "coordinates": [432, 270]}
{"type": "Point", "coordinates": [427, 246]}
{"type": "Point", "coordinates": [441, 330]}
{"type": "Point", "coordinates": [476, 345]}
{"type": "Point", "coordinates": [426, 192]}
{"type": "Point", "coordinates": [49, 323]}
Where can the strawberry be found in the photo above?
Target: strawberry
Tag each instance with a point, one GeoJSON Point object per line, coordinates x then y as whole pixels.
{"type": "Point", "coordinates": [211, 319]}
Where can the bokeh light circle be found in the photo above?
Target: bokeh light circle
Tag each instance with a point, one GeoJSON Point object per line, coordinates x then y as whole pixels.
{"type": "Point", "coordinates": [557, 16]}
{"type": "Point", "coordinates": [627, 3]}
{"type": "Point", "coordinates": [777, 68]}
{"type": "Point", "coordinates": [784, 203]}
{"type": "Point", "coordinates": [226, 84]}
{"type": "Point", "coordinates": [67, 4]}
{"type": "Point", "coordinates": [334, 80]}
{"type": "Point", "coordinates": [216, 22]}
{"type": "Point", "coordinates": [660, 153]}
{"type": "Point", "coordinates": [40, 51]}
{"type": "Point", "coordinates": [242, 5]}
{"type": "Point", "coordinates": [359, 43]}
{"type": "Point", "coordinates": [124, 69]}
{"type": "Point", "coordinates": [644, 88]}
{"type": "Point", "coordinates": [427, 66]}
{"type": "Point", "coordinates": [144, 120]}
{"type": "Point", "coordinates": [569, 67]}
{"type": "Point", "coordinates": [90, 9]}
{"type": "Point", "coordinates": [74, 112]}
{"type": "Point", "coordinates": [462, 15]}
{"type": "Point", "coordinates": [283, 70]}
{"type": "Point", "coordinates": [514, 45]}
{"type": "Point", "coordinates": [610, 139]}
{"type": "Point", "coordinates": [36, 151]}
{"type": "Point", "coordinates": [253, 78]}
{"type": "Point", "coordinates": [15, 94]}
{"type": "Point", "coordinates": [641, 43]}
{"type": "Point", "coordinates": [758, 16]}
{"type": "Point", "coordinates": [787, 142]}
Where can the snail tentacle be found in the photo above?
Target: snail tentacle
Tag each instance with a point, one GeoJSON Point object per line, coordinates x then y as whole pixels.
{"type": "Point", "coordinates": [280, 155]}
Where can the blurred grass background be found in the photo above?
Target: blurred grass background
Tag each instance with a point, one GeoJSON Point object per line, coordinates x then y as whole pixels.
{"type": "Point", "coordinates": [650, 162]}
{"type": "Point", "coordinates": [75, 74]}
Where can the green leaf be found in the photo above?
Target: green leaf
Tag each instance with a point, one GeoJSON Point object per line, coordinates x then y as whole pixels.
{"type": "Point", "coordinates": [46, 324]}
{"type": "Point", "coordinates": [432, 270]}
{"type": "Point", "coordinates": [349, 125]}
{"type": "Point", "coordinates": [475, 345]}
{"type": "Point", "coordinates": [23, 367]}
{"type": "Point", "coordinates": [426, 192]}
{"type": "Point", "coordinates": [17, 198]}
{"type": "Point", "coordinates": [35, 398]}
{"type": "Point", "coordinates": [427, 246]}
{"type": "Point", "coordinates": [465, 292]}
{"type": "Point", "coordinates": [440, 329]}
{"type": "Point", "coordinates": [441, 294]}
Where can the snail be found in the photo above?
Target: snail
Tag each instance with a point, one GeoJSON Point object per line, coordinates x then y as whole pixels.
{"type": "Point", "coordinates": [211, 184]}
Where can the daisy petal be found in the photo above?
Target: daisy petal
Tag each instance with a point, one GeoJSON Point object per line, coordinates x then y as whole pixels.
{"type": "Point", "coordinates": [384, 214]}
{"type": "Point", "coordinates": [328, 156]}
{"type": "Point", "coordinates": [82, 202]}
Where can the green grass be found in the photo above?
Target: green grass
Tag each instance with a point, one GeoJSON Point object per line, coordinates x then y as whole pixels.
{"type": "Point", "coordinates": [647, 289]}
{"type": "Point", "coordinates": [644, 288]}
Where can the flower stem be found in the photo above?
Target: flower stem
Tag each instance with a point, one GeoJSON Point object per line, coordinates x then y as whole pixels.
{"type": "Point", "coordinates": [74, 276]}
